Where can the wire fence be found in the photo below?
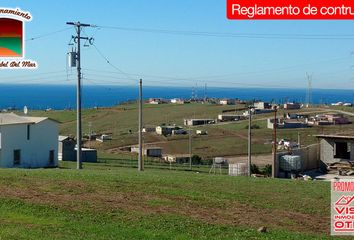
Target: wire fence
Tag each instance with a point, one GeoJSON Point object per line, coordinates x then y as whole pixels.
{"type": "Point", "coordinates": [153, 164]}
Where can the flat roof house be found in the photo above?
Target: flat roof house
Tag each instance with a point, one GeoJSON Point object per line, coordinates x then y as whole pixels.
{"type": "Point", "coordinates": [286, 123]}
{"type": "Point", "coordinates": [262, 105]}
{"type": "Point", "coordinates": [292, 106]}
{"type": "Point", "coordinates": [195, 122]}
{"type": "Point", "coordinates": [149, 151]}
{"type": "Point", "coordinates": [28, 142]}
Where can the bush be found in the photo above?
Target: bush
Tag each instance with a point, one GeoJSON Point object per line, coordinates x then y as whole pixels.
{"type": "Point", "coordinates": [253, 126]}
{"type": "Point", "coordinates": [254, 169]}
{"type": "Point", "coordinates": [267, 170]}
{"type": "Point", "coordinates": [196, 159]}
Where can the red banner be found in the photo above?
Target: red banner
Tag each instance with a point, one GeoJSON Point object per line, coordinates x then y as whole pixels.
{"type": "Point", "coordinates": [290, 10]}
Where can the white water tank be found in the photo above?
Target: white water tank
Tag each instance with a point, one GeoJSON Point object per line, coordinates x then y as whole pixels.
{"type": "Point", "coordinates": [238, 169]}
{"type": "Point", "coordinates": [289, 163]}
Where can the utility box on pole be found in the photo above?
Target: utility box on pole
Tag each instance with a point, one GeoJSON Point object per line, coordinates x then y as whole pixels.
{"type": "Point", "coordinates": [72, 59]}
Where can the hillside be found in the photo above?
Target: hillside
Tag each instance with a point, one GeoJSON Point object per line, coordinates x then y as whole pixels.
{"type": "Point", "coordinates": [225, 139]}
{"type": "Point", "coordinates": [103, 203]}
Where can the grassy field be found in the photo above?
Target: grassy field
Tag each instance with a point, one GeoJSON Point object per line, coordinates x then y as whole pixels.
{"type": "Point", "coordinates": [120, 203]}
{"type": "Point", "coordinates": [228, 139]}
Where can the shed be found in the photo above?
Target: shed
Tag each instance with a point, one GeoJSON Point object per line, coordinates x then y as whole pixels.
{"type": "Point", "coordinates": [88, 155]}
{"type": "Point", "coordinates": [67, 150]}
{"type": "Point", "coordinates": [148, 151]}
{"type": "Point", "coordinates": [177, 158]}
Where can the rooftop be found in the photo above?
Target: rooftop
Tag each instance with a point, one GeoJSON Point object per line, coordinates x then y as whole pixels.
{"type": "Point", "coordinates": [11, 118]}
{"type": "Point", "coordinates": [335, 137]}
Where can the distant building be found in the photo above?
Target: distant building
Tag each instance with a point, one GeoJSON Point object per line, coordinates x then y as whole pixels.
{"type": "Point", "coordinates": [229, 117]}
{"type": "Point", "coordinates": [148, 129]}
{"type": "Point", "coordinates": [104, 138]}
{"type": "Point", "coordinates": [169, 130]}
{"type": "Point", "coordinates": [177, 101]}
{"type": "Point", "coordinates": [176, 158]}
{"type": "Point", "coordinates": [337, 104]}
{"type": "Point", "coordinates": [201, 132]}
{"type": "Point", "coordinates": [286, 123]}
{"type": "Point", "coordinates": [262, 105]}
{"type": "Point", "coordinates": [156, 101]}
{"type": "Point", "coordinates": [297, 116]}
{"type": "Point", "coordinates": [328, 119]}
{"type": "Point", "coordinates": [258, 111]}
{"type": "Point", "coordinates": [196, 122]}
{"type": "Point", "coordinates": [337, 119]}
{"type": "Point", "coordinates": [292, 106]}
{"type": "Point", "coordinates": [227, 102]}
{"type": "Point", "coordinates": [148, 151]}
{"type": "Point", "coordinates": [28, 142]}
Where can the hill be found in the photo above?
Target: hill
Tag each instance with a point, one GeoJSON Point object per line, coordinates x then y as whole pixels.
{"type": "Point", "coordinates": [225, 139]}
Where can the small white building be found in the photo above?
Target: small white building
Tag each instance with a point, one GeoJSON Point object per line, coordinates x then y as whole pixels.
{"type": "Point", "coordinates": [148, 151]}
{"type": "Point", "coordinates": [195, 122]}
{"type": "Point", "coordinates": [262, 105]}
{"type": "Point", "coordinates": [28, 142]}
{"type": "Point", "coordinates": [292, 106]}
{"type": "Point", "coordinates": [227, 102]}
{"type": "Point", "coordinates": [177, 101]}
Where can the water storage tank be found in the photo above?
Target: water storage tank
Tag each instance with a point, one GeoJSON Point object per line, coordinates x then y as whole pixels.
{"type": "Point", "coordinates": [290, 163]}
{"type": "Point", "coordinates": [219, 160]}
{"type": "Point", "coordinates": [238, 169]}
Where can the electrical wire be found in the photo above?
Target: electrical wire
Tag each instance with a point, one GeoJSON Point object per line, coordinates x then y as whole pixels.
{"type": "Point", "coordinates": [233, 35]}
{"type": "Point", "coordinates": [112, 65]}
{"type": "Point", "coordinates": [47, 34]}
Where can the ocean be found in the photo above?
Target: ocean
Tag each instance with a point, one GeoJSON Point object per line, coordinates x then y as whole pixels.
{"type": "Point", "coordinates": [64, 96]}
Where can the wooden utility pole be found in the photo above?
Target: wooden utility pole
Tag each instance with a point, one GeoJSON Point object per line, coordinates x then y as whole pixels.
{"type": "Point", "coordinates": [77, 39]}
{"type": "Point", "coordinates": [274, 165]}
{"type": "Point", "coordinates": [190, 148]}
{"type": "Point", "coordinates": [140, 159]}
{"type": "Point", "coordinates": [249, 139]}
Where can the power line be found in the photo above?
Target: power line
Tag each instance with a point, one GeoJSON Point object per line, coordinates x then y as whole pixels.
{"type": "Point", "coordinates": [233, 35]}
{"type": "Point", "coordinates": [219, 77]}
{"type": "Point", "coordinates": [109, 63]}
{"type": "Point", "coordinates": [47, 34]}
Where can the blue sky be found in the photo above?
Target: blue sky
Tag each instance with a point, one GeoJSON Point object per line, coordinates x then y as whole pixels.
{"type": "Point", "coordinates": [182, 60]}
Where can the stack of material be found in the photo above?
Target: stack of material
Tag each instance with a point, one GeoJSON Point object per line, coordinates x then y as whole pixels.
{"type": "Point", "coordinates": [343, 168]}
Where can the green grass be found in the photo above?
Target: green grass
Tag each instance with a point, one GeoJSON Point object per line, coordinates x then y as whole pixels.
{"type": "Point", "coordinates": [120, 203]}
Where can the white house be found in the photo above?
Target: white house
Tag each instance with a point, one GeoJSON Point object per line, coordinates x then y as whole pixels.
{"type": "Point", "coordinates": [28, 142]}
